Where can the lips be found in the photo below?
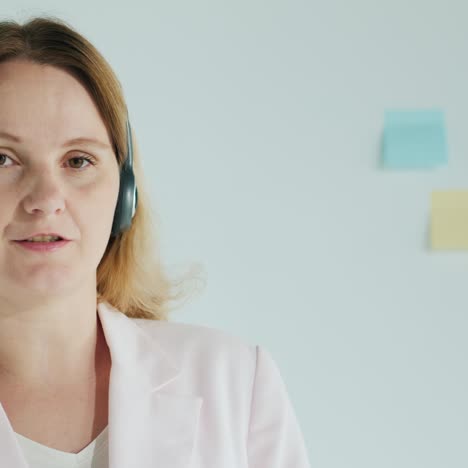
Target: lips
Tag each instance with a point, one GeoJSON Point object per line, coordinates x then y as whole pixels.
{"type": "Point", "coordinates": [40, 234]}
{"type": "Point", "coordinates": [44, 247]}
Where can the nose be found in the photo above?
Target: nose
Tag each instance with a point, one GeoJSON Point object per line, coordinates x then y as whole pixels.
{"type": "Point", "coordinates": [45, 195]}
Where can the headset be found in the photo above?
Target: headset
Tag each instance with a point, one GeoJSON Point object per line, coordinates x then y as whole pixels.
{"type": "Point", "coordinates": [128, 193]}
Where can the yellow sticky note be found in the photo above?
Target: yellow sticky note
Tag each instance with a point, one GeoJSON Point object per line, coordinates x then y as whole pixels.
{"type": "Point", "coordinates": [449, 220]}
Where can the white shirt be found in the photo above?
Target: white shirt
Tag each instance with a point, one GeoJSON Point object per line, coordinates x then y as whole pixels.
{"type": "Point", "coordinates": [94, 455]}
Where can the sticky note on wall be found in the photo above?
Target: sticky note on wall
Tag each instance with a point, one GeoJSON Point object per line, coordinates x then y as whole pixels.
{"type": "Point", "coordinates": [449, 220]}
{"type": "Point", "coordinates": [414, 139]}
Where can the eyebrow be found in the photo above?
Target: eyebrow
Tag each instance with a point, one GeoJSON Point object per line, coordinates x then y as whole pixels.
{"type": "Point", "coordinates": [73, 141]}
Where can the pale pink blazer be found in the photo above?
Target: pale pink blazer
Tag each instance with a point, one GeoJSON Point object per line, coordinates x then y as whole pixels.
{"type": "Point", "coordinates": [188, 396]}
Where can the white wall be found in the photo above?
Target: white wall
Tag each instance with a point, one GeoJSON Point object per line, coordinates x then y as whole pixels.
{"type": "Point", "coordinates": [260, 126]}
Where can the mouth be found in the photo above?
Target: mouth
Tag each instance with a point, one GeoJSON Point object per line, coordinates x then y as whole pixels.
{"type": "Point", "coordinates": [43, 237]}
{"type": "Point", "coordinates": [47, 246]}
{"type": "Point", "coordinates": [42, 242]}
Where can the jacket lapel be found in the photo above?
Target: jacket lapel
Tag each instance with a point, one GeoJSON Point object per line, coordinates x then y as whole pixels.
{"type": "Point", "coordinates": [10, 450]}
{"type": "Point", "coordinates": [147, 427]}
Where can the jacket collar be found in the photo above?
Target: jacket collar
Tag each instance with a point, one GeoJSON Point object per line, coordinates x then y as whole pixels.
{"type": "Point", "coordinates": [134, 351]}
{"type": "Point", "coordinates": [149, 422]}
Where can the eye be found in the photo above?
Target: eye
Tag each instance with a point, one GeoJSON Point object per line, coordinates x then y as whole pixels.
{"type": "Point", "coordinates": [1, 159]}
{"type": "Point", "coordinates": [89, 159]}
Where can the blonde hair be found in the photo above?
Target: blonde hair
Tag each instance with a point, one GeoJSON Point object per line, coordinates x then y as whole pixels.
{"type": "Point", "coordinates": [130, 275]}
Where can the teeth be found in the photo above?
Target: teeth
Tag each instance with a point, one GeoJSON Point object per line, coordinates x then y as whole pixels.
{"type": "Point", "coordinates": [43, 239]}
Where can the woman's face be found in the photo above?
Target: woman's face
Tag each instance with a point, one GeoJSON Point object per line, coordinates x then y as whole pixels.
{"type": "Point", "coordinates": [46, 187]}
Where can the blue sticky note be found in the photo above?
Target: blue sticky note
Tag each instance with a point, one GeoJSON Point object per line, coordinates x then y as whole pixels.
{"type": "Point", "coordinates": [414, 139]}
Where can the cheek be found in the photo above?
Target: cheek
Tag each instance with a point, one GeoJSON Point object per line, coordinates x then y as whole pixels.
{"type": "Point", "coordinates": [100, 206]}
{"type": "Point", "coordinates": [95, 218]}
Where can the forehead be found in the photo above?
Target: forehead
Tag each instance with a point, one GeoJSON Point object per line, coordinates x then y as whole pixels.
{"type": "Point", "coordinates": [45, 101]}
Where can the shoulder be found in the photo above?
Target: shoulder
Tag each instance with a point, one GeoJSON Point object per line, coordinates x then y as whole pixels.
{"type": "Point", "coordinates": [184, 341]}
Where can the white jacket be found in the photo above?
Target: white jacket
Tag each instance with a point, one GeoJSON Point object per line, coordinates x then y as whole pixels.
{"type": "Point", "coordinates": [188, 396]}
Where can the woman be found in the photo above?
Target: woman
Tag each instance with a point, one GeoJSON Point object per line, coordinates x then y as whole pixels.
{"type": "Point", "coordinates": [91, 369]}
